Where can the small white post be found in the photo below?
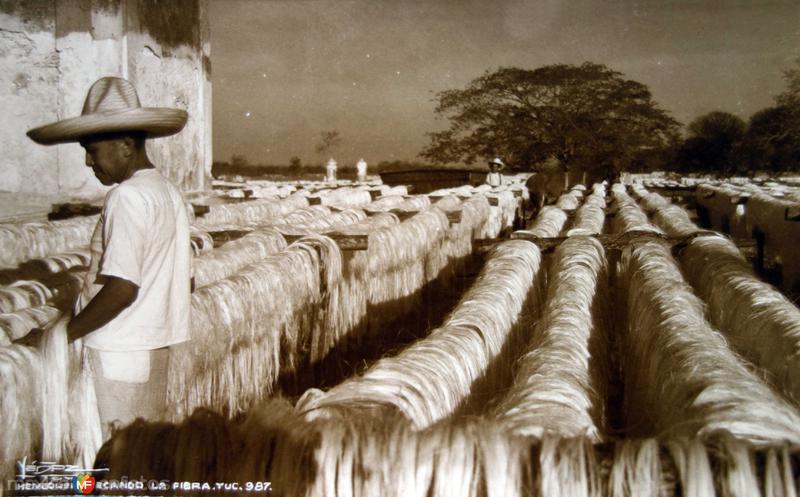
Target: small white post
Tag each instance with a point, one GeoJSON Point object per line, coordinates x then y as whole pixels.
{"type": "Point", "coordinates": [361, 170]}
{"type": "Point", "coordinates": [330, 171]}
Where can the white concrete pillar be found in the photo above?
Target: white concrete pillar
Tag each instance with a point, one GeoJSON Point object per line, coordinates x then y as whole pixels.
{"type": "Point", "coordinates": [361, 170]}
{"type": "Point", "coordinates": [330, 171]}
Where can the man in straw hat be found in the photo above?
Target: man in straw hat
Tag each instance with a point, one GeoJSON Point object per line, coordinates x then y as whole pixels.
{"type": "Point", "coordinates": [135, 299]}
{"type": "Point", "coordinates": [494, 178]}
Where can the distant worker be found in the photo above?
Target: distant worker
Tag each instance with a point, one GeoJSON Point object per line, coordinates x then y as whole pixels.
{"type": "Point", "coordinates": [494, 178]}
{"type": "Point", "coordinates": [546, 184]}
{"type": "Point", "coordinates": [135, 300]}
{"type": "Point", "coordinates": [361, 170]}
{"type": "Point", "coordinates": [330, 171]}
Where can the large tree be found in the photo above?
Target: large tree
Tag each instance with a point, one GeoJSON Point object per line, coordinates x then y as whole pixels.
{"type": "Point", "coordinates": [791, 96]}
{"type": "Point", "coordinates": [772, 141]}
{"type": "Point", "coordinates": [711, 143]}
{"type": "Point", "coordinates": [589, 117]}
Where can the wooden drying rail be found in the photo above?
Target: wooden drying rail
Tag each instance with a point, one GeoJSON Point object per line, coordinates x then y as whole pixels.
{"type": "Point", "coordinates": [73, 209]}
{"type": "Point", "coordinates": [345, 241]}
{"type": "Point", "coordinates": [454, 216]}
{"type": "Point", "coordinates": [609, 241]}
{"type": "Point", "coordinates": [493, 200]}
{"type": "Point", "coordinates": [225, 236]}
{"type": "Point", "coordinates": [200, 210]}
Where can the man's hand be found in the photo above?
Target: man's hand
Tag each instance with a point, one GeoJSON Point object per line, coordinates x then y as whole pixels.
{"type": "Point", "coordinates": [32, 339]}
{"type": "Point", "coordinates": [115, 296]}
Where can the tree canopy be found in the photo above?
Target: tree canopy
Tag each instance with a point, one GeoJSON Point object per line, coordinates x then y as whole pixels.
{"type": "Point", "coordinates": [772, 141]}
{"type": "Point", "coordinates": [791, 96]}
{"type": "Point", "coordinates": [589, 117]}
{"type": "Point", "coordinates": [710, 145]}
{"type": "Point", "coordinates": [721, 143]}
{"type": "Point", "coordinates": [328, 141]}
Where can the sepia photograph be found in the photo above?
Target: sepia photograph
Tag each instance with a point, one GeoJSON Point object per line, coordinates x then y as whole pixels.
{"type": "Point", "coordinates": [431, 248]}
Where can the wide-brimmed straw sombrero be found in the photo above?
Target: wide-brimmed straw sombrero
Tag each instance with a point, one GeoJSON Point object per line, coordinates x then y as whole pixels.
{"type": "Point", "coordinates": [497, 162]}
{"type": "Point", "coordinates": [112, 106]}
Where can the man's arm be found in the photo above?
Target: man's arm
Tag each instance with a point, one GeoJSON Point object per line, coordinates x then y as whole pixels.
{"type": "Point", "coordinates": [115, 296]}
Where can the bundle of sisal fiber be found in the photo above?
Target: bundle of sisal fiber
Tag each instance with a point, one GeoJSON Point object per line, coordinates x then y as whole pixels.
{"type": "Point", "coordinates": [323, 336]}
{"type": "Point", "coordinates": [675, 221]}
{"type": "Point", "coordinates": [358, 457]}
{"type": "Point", "coordinates": [570, 200]}
{"type": "Point", "coordinates": [680, 376]}
{"type": "Point", "coordinates": [268, 239]}
{"type": "Point", "coordinates": [401, 258]}
{"type": "Point", "coordinates": [549, 222]}
{"type": "Point", "coordinates": [243, 336]}
{"type": "Point", "coordinates": [48, 403]}
{"type": "Point", "coordinates": [448, 201]}
{"type": "Point", "coordinates": [671, 218]}
{"type": "Point", "coordinates": [501, 216]}
{"type": "Point", "coordinates": [54, 283]}
{"type": "Point", "coordinates": [399, 202]}
{"type": "Point", "coordinates": [345, 197]}
{"type": "Point", "coordinates": [457, 245]}
{"type": "Point", "coordinates": [356, 277]}
{"type": "Point", "coordinates": [330, 221]}
{"type": "Point", "coordinates": [364, 457]}
{"type": "Point", "coordinates": [17, 324]}
{"type": "Point", "coordinates": [629, 216]}
{"type": "Point", "coordinates": [303, 215]}
{"type": "Point", "coordinates": [267, 191]}
{"type": "Point", "coordinates": [22, 380]}
{"type": "Point", "coordinates": [57, 263]}
{"type": "Point", "coordinates": [234, 255]}
{"type": "Point", "coordinates": [20, 242]}
{"type": "Point", "coordinates": [507, 204]}
{"type": "Point", "coordinates": [388, 191]}
{"type": "Point", "coordinates": [651, 202]}
{"type": "Point", "coordinates": [429, 379]}
{"type": "Point", "coordinates": [590, 217]}
{"type": "Point", "coordinates": [22, 294]}
{"type": "Point", "coordinates": [253, 213]}
{"type": "Point", "coordinates": [560, 379]}
{"type": "Point", "coordinates": [401, 266]}
{"type": "Point", "coordinates": [760, 322]}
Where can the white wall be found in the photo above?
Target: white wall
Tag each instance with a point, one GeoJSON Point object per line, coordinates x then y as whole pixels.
{"type": "Point", "coordinates": [51, 51]}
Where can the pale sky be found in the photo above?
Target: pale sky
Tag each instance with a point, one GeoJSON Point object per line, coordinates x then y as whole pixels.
{"type": "Point", "coordinates": [283, 71]}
